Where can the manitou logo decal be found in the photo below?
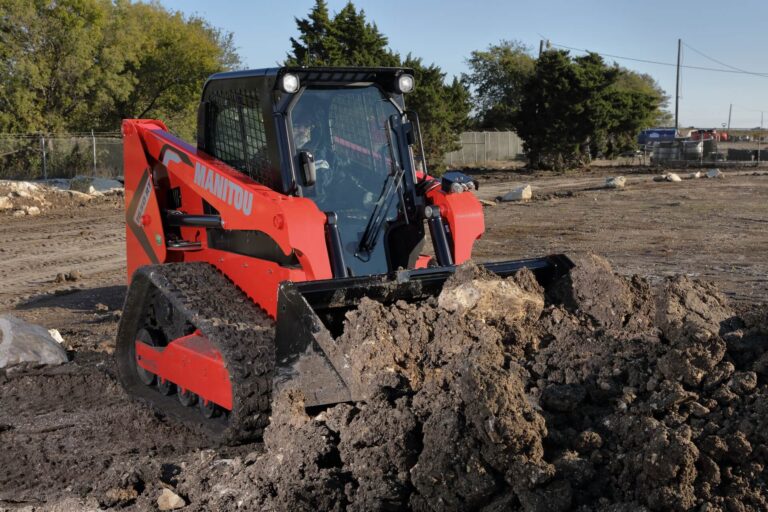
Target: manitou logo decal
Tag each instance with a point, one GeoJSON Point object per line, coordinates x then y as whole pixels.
{"type": "Point", "coordinates": [223, 188]}
{"type": "Point", "coordinates": [143, 202]}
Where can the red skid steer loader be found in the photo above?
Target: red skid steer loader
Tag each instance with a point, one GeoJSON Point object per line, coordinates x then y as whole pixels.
{"type": "Point", "coordinates": [302, 196]}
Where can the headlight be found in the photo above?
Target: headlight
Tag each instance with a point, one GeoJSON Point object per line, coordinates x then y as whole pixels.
{"type": "Point", "coordinates": [290, 83]}
{"type": "Point", "coordinates": [405, 83]}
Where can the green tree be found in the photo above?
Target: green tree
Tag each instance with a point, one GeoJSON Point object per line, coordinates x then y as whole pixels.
{"type": "Point", "coordinates": [548, 120]}
{"type": "Point", "coordinates": [171, 65]}
{"type": "Point", "coordinates": [76, 65]}
{"type": "Point", "coordinates": [574, 109]}
{"type": "Point", "coordinates": [497, 77]}
{"type": "Point", "coordinates": [348, 39]}
{"type": "Point", "coordinates": [645, 84]}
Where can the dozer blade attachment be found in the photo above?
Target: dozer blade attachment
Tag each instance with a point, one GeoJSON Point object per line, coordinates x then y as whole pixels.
{"type": "Point", "coordinates": [311, 314]}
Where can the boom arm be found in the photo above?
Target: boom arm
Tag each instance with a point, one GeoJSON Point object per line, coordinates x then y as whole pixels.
{"type": "Point", "coordinates": [290, 230]}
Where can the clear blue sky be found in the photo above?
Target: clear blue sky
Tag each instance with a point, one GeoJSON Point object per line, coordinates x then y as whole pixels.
{"type": "Point", "coordinates": [447, 31]}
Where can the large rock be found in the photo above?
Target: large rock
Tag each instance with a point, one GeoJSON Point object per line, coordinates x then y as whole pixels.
{"type": "Point", "coordinates": [521, 193]}
{"type": "Point", "coordinates": [669, 176]}
{"type": "Point", "coordinates": [5, 203]}
{"type": "Point", "coordinates": [22, 342]}
{"type": "Point", "coordinates": [615, 182]}
{"type": "Point", "coordinates": [715, 173]}
{"type": "Point", "coordinates": [169, 500]}
{"type": "Point", "coordinates": [94, 186]}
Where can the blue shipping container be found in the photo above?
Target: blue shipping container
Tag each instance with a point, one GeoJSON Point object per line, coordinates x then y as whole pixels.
{"type": "Point", "coordinates": [653, 135]}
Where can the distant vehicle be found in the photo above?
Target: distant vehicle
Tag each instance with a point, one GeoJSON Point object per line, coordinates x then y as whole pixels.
{"type": "Point", "coordinates": [654, 135]}
{"type": "Point", "coordinates": [709, 134]}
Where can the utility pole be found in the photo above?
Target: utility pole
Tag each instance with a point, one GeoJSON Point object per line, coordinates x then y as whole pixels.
{"type": "Point", "coordinates": [677, 86]}
{"type": "Point", "coordinates": [730, 111]}
{"type": "Point", "coordinates": [759, 136]}
{"type": "Point", "coordinates": [541, 47]}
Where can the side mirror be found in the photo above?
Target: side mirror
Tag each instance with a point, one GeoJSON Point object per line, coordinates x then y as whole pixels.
{"type": "Point", "coordinates": [308, 171]}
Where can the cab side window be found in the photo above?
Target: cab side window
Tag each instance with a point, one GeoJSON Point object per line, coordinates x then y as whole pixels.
{"type": "Point", "coordinates": [236, 133]}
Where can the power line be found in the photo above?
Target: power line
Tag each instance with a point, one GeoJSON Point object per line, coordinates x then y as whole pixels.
{"type": "Point", "coordinates": [648, 61]}
{"type": "Point", "coordinates": [723, 63]}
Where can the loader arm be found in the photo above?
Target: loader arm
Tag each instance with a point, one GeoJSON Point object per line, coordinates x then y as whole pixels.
{"type": "Point", "coordinates": [212, 196]}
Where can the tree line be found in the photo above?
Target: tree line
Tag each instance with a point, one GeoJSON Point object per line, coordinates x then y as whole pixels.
{"type": "Point", "coordinates": [75, 65]}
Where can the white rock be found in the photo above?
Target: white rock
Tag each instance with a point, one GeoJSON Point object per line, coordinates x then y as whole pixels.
{"type": "Point", "coordinates": [32, 210]}
{"type": "Point", "coordinates": [715, 173]}
{"type": "Point", "coordinates": [19, 213]}
{"type": "Point", "coordinates": [94, 186]}
{"type": "Point", "coordinates": [56, 335]}
{"type": "Point", "coordinates": [22, 342]}
{"type": "Point", "coordinates": [521, 193]}
{"type": "Point", "coordinates": [695, 175]}
{"type": "Point", "coordinates": [169, 500]}
{"type": "Point", "coordinates": [22, 193]}
{"type": "Point", "coordinates": [616, 182]}
{"type": "Point", "coordinates": [19, 186]}
{"type": "Point", "coordinates": [5, 203]}
{"type": "Point", "coordinates": [668, 176]}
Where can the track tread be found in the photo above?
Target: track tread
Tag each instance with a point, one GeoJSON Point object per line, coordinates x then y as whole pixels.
{"type": "Point", "coordinates": [243, 333]}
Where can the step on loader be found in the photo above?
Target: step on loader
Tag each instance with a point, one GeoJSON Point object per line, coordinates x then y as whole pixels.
{"type": "Point", "coordinates": [306, 191]}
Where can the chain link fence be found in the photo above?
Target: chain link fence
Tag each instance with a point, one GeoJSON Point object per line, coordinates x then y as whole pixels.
{"type": "Point", "coordinates": [62, 155]}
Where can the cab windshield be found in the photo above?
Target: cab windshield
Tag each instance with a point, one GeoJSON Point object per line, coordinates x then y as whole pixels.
{"type": "Point", "coordinates": [350, 133]}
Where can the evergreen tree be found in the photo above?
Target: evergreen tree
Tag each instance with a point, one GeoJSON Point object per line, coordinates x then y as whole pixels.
{"type": "Point", "coordinates": [314, 45]}
{"type": "Point", "coordinates": [348, 39]}
{"type": "Point", "coordinates": [574, 109]}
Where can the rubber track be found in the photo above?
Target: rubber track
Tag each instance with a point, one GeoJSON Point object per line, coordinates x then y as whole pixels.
{"type": "Point", "coordinates": [242, 332]}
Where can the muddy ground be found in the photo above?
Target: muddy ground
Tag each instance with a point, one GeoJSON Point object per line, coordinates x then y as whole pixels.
{"type": "Point", "coordinates": [594, 397]}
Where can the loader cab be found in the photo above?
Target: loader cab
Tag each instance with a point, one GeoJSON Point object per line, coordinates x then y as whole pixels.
{"type": "Point", "coordinates": [337, 136]}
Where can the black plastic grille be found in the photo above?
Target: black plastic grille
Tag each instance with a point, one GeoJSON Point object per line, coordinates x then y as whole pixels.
{"type": "Point", "coordinates": [237, 133]}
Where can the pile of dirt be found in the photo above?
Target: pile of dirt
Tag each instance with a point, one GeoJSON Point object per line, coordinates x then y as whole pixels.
{"type": "Point", "coordinates": [602, 394]}
{"type": "Point", "coordinates": [26, 198]}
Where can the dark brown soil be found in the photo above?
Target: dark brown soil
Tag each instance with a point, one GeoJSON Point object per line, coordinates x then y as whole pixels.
{"type": "Point", "coordinates": [606, 394]}
{"type": "Point", "coordinates": [603, 395]}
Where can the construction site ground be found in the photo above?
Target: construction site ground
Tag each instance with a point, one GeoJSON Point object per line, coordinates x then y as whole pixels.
{"type": "Point", "coordinates": [71, 439]}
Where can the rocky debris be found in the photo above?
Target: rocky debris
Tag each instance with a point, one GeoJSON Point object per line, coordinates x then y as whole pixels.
{"type": "Point", "coordinates": [56, 335]}
{"type": "Point", "coordinates": [694, 175]}
{"type": "Point", "coordinates": [71, 276]}
{"type": "Point", "coordinates": [615, 182]}
{"type": "Point", "coordinates": [169, 500]}
{"type": "Point", "coordinates": [22, 342]}
{"type": "Point", "coordinates": [715, 173]}
{"type": "Point", "coordinates": [668, 176]}
{"type": "Point", "coordinates": [521, 193]}
{"type": "Point", "coordinates": [485, 202]}
{"type": "Point", "coordinates": [94, 186]}
{"type": "Point", "coordinates": [21, 198]}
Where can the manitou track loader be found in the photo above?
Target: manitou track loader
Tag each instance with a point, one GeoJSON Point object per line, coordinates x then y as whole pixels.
{"type": "Point", "coordinates": [302, 196]}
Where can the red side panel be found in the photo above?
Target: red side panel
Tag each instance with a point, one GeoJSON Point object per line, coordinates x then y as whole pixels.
{"type": "Point", "coordinates": [464, 215]}
{"type": "Point", "coordinates": [144, 235]}
{"type": "Point", "coordinates": [294, 225]}
{"type": "Point", "coordinates": [193, 364]}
